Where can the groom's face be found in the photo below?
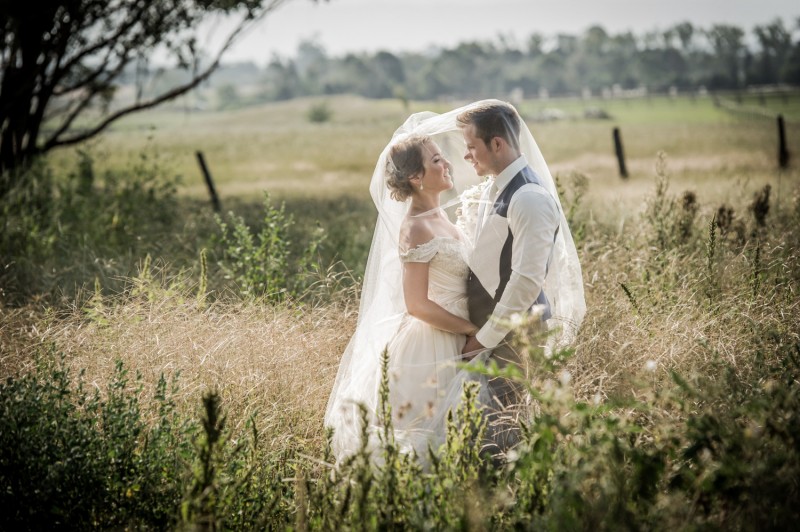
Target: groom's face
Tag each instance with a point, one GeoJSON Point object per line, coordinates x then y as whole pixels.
{"type": "Point", "coordinates": [478, 153]}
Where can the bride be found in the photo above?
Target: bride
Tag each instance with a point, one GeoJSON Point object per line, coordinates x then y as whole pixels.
{"type": "Point", "coordinates": [413, 301]}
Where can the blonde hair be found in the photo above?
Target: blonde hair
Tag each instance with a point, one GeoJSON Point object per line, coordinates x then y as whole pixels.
{"type": "Point", "coordinates": [404, 162]}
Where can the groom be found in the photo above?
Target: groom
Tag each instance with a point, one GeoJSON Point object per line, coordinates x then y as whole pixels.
{"type": "Point", "coordinates": [518, 221]}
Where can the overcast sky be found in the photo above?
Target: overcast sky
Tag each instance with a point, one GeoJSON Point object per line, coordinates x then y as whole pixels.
{"type": "Point", "coordinates": [343, 26]}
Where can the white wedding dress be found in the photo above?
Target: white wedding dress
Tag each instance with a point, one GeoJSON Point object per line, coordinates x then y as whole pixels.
{"type": "Point", "coordinates": [422, 359]}
{"type": "Point", "coordinates": [424, 380]}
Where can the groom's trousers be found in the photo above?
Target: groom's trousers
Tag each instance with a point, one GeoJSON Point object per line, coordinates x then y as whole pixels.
{"type": "Point", "coordinates": [502, 414]}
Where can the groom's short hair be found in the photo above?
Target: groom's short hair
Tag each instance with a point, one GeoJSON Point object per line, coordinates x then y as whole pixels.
{"type": "Point", "coordinates": [493, 119]}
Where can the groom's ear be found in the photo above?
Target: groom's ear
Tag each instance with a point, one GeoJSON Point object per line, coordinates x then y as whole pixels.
{"type": "Point", "coordinates": [496, 143]}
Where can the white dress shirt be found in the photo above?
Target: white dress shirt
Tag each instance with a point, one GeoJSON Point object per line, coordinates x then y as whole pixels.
{"type": "Point", "coordinates": [533, 219]}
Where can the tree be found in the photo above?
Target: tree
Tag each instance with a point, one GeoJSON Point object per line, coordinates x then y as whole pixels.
{"type": "Point", "coordinates": [60, 60]}
{"type": "Point", "coordinates": [728, 45]}
{"type": "Point", "coordinates": [535, 43]}
{"type": "Point", "coordinates": [685, 33]}
{"type": "Point", "coordinates": [228, 97]}
{"type": "Point", "coordinates": [775, 42]}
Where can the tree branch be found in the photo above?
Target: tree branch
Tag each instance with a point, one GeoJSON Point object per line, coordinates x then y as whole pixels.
{"type": "Point", "coordinates": [85, 102]}
{"type": "Point", "coordinates": [87, 80]}
{"type": "Point", "coordinates": [54, 141]}
{"type": "Point", "coordinates": [133, 19]}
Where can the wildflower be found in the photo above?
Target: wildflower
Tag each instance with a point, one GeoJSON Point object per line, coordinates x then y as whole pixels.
{"type": "Point", "coordinates": [537, 311]}
{"type": "Point", "coordinates": [516, 319]}
{"type": "Point", "coordinates": [651, 365]}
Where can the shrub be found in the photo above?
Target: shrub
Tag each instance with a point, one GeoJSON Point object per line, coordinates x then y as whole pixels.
{"type": "Point", "coordinates": [77, 460]}
{"type": "Point", "coordinates": [61, 234]}
{"type": "Point", "coordinates": [320, 113]}
{"type": "Point", "coordinates": [261, 263]}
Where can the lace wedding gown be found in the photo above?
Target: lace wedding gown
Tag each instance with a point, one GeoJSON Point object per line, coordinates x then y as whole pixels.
{"type": "Point", "coordinates": [424, 382]}
{"type": "Point", "coordinates": [423, 358]}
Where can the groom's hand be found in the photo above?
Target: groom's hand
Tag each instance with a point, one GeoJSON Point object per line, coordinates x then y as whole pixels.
{"type": "Point", "coordinates": [471, 348]}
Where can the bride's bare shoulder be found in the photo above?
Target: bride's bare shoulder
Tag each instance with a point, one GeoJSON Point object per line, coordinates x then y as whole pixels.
{"type": "Point", "coordinates": [414, 232]}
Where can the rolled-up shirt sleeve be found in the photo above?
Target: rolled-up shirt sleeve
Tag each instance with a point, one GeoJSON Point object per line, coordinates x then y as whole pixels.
{"type": "Point", "coordinates": [533, 219]}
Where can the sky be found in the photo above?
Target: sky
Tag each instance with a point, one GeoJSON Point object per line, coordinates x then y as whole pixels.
{"type": "Point", "coordinates": [343, 26]}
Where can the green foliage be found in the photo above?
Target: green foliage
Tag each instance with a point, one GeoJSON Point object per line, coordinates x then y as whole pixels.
{"type": "Point", "coordinates": [62, 233]}
{"type": "Point", "coordinates": [738, 457]}
{"type": "Point", "coordinates": [729, 460]}
{"type": "Point", "coordinates": [228, 97]}
{"type": "Point", "coordinates": [681, 58]}
{"type": "Point", "coordinates": [670, 221]}
{"type": "Point", "coordinates": [319, 113]}
{"type": "Point", "coordinates": [262, 264]}
{"type": "Point", "coordinates": [77, 460]}
{"type": "Point", "coordinates": [571, 199]}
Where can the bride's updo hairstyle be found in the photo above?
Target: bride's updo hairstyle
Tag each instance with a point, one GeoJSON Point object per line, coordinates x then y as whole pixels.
{"type": "Point", "coordinates": [493, 119]}
{"type": "Point", "coordinates": [404, 162]}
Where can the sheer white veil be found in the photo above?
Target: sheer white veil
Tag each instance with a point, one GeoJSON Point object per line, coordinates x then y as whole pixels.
{"type": "Point", "coordinates": [382, 304]}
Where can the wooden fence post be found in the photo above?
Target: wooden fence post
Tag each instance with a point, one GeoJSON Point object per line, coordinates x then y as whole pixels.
{"type": "Point", "coordinates": [783, 152]}
{"type": "Point", "coordinates": [623, 172]}
{"type": "Point", "coordinates": [209, 182]}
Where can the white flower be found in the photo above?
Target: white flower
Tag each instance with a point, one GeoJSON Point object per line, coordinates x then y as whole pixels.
{"type": "Point", "coordinates": [537, 311]}
{"type": "Point", "coordinates": [516, 319]}
{"type": "Point", "coordinates": [564, 377]}
{"type": "Point", "coordinates": [651, 365]}
{"type": "Point", "coordinates": [467, 213]}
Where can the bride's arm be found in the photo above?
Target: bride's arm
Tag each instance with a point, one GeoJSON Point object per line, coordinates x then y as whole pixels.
{"type": "Point", "coordinates": [415, 291]}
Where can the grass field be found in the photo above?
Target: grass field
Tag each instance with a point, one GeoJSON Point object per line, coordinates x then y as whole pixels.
{"type": "Point", "coordinates": [274, 147]}
{"type": "Point", "coordinates": [322, 170]}
{"type": "Point", "coordinates": [667, 291]}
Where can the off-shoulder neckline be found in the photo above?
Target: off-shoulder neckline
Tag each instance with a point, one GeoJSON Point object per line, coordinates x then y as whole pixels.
{"type": "Point", "coordinates": [420, 246]}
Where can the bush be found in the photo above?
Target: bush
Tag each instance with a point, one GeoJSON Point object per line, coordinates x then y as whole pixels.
{"type": "Point", "coordinates": [320, 113]}
{"type": "Point", "coordinates": [262, 264]}
{"type": "Point", "coordinates": [78, 460]}
{"type": "Point", "coordinates": [61, 234]}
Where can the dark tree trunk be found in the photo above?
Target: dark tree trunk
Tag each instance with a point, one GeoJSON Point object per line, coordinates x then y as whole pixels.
{"type": "Point", "coordinates": [24, 91]}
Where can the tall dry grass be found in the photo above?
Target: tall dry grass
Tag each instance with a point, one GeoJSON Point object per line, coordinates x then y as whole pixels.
{"type": "Point", "coordinates": [684, 311]}
{"type": "Point", "coordinates": [280, 361]}
{"type": "Point", "coordinates": [710, 298]}
{"type": "Point", "coordinates": [274, 363]}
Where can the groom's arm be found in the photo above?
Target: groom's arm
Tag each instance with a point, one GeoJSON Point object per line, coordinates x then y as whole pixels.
{"type": "Point", "coordinates": [533, 219]}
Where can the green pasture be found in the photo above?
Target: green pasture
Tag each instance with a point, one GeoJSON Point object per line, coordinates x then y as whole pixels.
{"type": "Point", "coordinates": [322, 170]}
{"type": "Point", "coordinates": [276, 148]}
{"type": "Point", "coordinates": [676, 407]}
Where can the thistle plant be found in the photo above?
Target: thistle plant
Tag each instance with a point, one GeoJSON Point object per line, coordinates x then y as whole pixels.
{"type": "Point", "coordinates": [711, 251]}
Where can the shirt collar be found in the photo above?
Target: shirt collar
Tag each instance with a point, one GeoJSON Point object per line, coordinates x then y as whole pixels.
{"type": "Point", "coordinates": [505, 177]}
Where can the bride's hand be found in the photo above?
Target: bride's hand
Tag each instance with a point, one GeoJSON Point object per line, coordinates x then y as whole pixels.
{"type": "Point", "coordinates": [471, 348]}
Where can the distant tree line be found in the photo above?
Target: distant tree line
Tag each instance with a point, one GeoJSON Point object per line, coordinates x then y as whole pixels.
{"type": "Point", "coordinates": [682, 57]}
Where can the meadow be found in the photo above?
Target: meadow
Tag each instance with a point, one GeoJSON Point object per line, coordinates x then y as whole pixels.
{"type": "Point", "coordinates": [676, 407]}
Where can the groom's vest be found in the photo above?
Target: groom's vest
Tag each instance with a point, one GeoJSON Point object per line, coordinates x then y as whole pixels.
{"type": "Point", "coordinates": [490, 268]}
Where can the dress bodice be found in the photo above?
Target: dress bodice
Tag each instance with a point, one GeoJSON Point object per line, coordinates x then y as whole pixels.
{"type": "Point", "coordinates": [448, 269]}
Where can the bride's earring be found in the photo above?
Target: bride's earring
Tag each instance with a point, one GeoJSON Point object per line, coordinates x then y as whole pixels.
{"type": "Point", "coordinates": [421, 187]}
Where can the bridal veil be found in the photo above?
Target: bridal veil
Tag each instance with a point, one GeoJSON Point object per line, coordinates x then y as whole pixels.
{"type": "Point", "coordinates": [382, 305]}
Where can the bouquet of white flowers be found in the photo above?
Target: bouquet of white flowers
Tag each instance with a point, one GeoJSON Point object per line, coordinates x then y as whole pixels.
{"type": "Point", "coordinates": [467, 213]}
